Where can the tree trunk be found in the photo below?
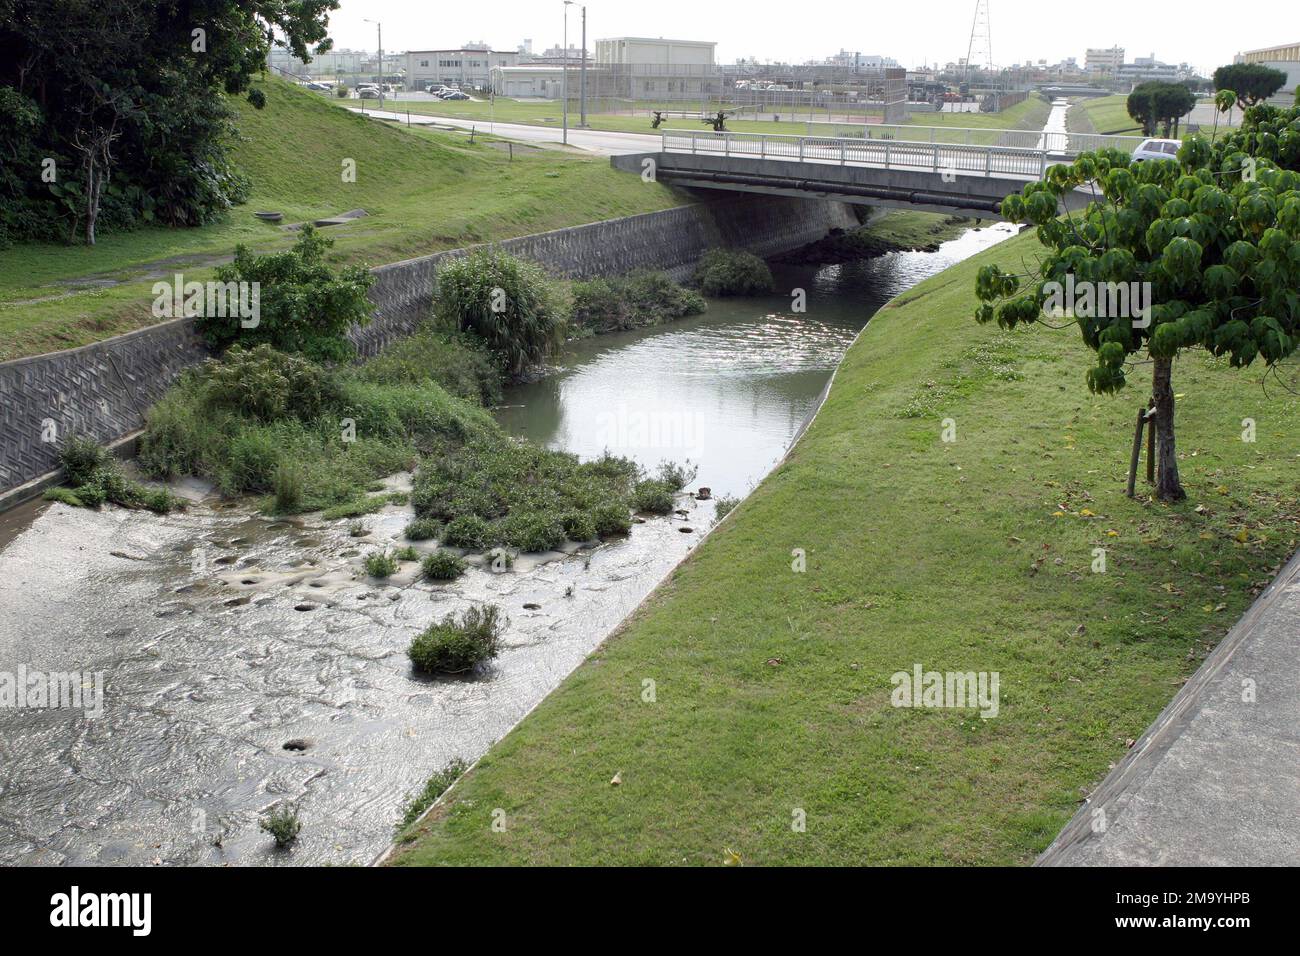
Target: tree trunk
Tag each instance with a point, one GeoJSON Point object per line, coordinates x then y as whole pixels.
{"type": "Point", "coordinates": [1168, 486]}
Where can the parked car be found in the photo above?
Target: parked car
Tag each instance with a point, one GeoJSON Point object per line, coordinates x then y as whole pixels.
{"type": "Point", "coordinates": [454, 95]}
{"type": "Point", "coordinates": [368, 93]}
{"type": "Point", "coordinates": [1156, 149]}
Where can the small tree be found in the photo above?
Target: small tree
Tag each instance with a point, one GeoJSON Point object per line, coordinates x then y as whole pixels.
{"type": "Point", "coordinates": [1156, 103]}
{"type": "Point", "coordinates": [305, 306]}
{"type": "Point", "coordinates": [1214, 238]}
{"type": "Point", "coordinates": [1252, 82]}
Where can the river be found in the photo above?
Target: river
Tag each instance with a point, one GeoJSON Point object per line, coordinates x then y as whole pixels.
{"type": "Point", "coordinates": [222, 636]}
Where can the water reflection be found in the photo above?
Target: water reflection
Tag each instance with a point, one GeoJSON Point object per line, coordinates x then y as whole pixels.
{"type": "Point", "coordinates": [730, 389]}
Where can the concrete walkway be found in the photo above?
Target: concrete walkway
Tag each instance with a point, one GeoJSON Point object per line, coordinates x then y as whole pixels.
{"type": "Point", "coordinates": [1215, 780]}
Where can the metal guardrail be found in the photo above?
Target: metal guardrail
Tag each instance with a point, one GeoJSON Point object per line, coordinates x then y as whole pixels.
{"type": "Point", "coordinates": [845, 151]}
{"type": "Point", "coordinates": [1059, 144]}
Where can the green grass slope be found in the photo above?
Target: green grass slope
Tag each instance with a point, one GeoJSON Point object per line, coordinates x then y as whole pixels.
{"type": "Point", "coordinates": [423, 191]}
{"type": "Point", "coordinates": [772, 688]}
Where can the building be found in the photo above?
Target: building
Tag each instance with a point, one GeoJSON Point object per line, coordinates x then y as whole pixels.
{"type": "Point", "coordinates": [1144, 68]}
{"type": "Point", "coordinates": [625, 51]}
{"type": "Point", "coordinates": [468, 67]}
{"type": "Point", "coordinates": [1104, 60]}
{"type": "Point", "coordinates": [1285, 58]}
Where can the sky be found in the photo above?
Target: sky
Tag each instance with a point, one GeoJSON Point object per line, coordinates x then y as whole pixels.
{"type": "Point", "coordinates": [912, 33]}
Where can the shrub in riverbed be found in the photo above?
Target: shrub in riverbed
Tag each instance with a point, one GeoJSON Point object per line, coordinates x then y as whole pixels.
{"type": "Point", "coordinates": [678, 476]}
{"type": "Point", "coordinates": [460, 364]}
{"type": "Point", "coordinates": [578, 525]}
{"type": "Point", "coordinates": [407, 553]}
{"type": "Point", "coordinates": [442, 566]}
{"type": "Point", "coordinates": [380, 564]}
{"type": "Point", "coordinates": [723, 272]}
{"type": "Point", "coordinates": [505, 302]}
{"type": "Point", "coordinates": [283, 824]}
{"type": "Point", "coordinates": [422, 529]}
{"type": "Point", "coordinates": [723, 506]}
{"type": "Point", "coordinates": [96, 477]}
{"type": "Point", "coordinates": [468, 531]}
{"type": "Point", "coordinates": [453, 646]}
{"type": "Point", "coordinates": [653, 494]}
{"type": "Point", "coordinates": [532, 531]}
{"type": "Point", "coordinates": [632, 301]}
{"type": "Point", "coordinates": [612, 518]}
{"type": "Point", "coordinates": [252, 462]}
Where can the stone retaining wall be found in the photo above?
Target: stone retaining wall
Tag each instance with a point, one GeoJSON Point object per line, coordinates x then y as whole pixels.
{"type": "Point", "coordinates": [102, 390]}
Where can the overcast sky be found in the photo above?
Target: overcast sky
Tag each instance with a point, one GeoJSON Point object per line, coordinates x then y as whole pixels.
{"type": "Point", "coordinates": [911, 32]}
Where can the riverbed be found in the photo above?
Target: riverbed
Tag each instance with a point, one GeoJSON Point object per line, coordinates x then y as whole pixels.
{"type": "Point", "coordinates": [222, 636]}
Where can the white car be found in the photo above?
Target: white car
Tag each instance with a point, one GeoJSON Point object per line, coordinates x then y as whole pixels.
{"type": "Point", "coordinates": [1157, 149]}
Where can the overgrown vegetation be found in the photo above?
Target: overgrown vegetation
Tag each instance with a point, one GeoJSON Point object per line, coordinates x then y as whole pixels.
{"type": "Point", "coordinates": [380, 564]}
{"type": "Point", "coordinates": [453, 646]}
{"type": "Point", "coordinates": [458, 363]}
{"type": "Point", "coordinates": [632, 301]}
{"type": "Point", "coordinates": [508, 303]}
{"type": "Point", "coordinates": [303, 305]}
{"type": "Point", "coordinates": [724, 272]}
{"type": "Point", "coordinates": [442, 566]}
{"type": "Point", "coordinates": [94, 477]}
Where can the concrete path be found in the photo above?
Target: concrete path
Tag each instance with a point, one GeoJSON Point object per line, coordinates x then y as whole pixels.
{"type": "Point", "coordinates": [1215, 780]}
{"type": "Point", "coordinates": [595, 140]}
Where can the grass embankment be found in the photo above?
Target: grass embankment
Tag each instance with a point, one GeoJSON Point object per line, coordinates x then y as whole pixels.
{"type": "Point", "coordinates": [423, 191]}
{"type": "Point", "coordinates": [1030, 114]}
{"type": "Point", "coordinates": [772, 688]}
{"type": "Point", "coordinates": [1102, 114]}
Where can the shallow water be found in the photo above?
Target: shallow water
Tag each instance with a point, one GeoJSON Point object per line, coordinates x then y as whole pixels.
{"type": "Point", "coordinates": [220, 635]}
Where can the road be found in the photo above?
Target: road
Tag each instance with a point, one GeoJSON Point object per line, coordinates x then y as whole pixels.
{"type": "Point", "coordinates": [592, 140]}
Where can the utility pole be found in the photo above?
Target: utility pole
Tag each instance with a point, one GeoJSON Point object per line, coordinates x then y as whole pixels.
{"type": "Point", "coordinates": [380, 27]}
{"type": "Point", "coordinates": [582, 82]}
{"type": "Point", "coordinates": [564, 72]}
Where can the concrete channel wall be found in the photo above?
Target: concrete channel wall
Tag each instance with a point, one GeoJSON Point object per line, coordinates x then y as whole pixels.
{"type": "Point", "coordinates": [103, 390]}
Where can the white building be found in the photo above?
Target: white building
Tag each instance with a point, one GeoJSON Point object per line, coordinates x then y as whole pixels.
{"type": "Point", "coordinates": [466, 67]}
{"type": "Point", "coordinates": [1285, 58]}
{"type": "Point", "coordinates": [1104, 60]}
{"type": "Point", "coordinates": [625, 51]}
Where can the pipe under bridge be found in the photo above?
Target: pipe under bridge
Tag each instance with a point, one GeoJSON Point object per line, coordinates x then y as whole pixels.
{"type": "Point", "coordinates": [958, 178]}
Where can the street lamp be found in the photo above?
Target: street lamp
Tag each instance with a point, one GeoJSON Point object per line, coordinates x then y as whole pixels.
{"type": "Point", "coordinates": [380, 27]}
{"type": "Point", "coordinates": [564, 74]}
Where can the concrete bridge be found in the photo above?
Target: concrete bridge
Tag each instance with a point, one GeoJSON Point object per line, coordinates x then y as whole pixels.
{"type": "Point", "coordinates": [958, 178]}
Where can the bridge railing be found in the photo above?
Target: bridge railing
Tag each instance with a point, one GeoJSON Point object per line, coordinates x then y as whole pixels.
{"type": "Point", "coordinates": [846, 151]}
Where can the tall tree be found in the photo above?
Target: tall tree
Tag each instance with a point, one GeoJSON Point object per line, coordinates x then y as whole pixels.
{"type": "Point", "coordinates": [1157, 103]}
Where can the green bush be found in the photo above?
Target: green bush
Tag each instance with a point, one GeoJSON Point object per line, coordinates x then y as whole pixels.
{"type": "Point", "coordinates": [422, 529]}
{"type": "Point", "coordinates": [653, 494]}
{"type": "Point", "coordinates": [470, 532]}
{"type": "Point", "coordinates": [578, 525]}
{"type": "Point", "coordinates": [732, 272]}
{"type": "Point", "coordinates": [724, 505]}
{"type": "Point", "coordinates": [532, 531]}
{"type": "Point", "coordinates": [283, 824]}
{"type": "Point", "coordinates": [342, 92]}
{"type": "Point", "coordinates": [290, 477]}
{"type": "Point", "coordinates": [304, 305]}
{"type": "Point", "coordinates": [632, 301]}
{"type": "Point", "coordinates": [252, 462]}
{"type": "Point", "coordinates": [380, 564]}
{"type": "Point", "coordinates": [459, 363]}
{"type": "Point", "coordinates": [453, 647]}
{"type": "Point", "coordinates": [506, 302]}
{"type": "Point", "coordinates": [81, 457]}
{"type": "Point", "coordinates": [678, 476]}
{"type": "Point", "coordinates": [408, 553]}
{"type": "Point", "coordinates": [612, 518]}
{"type": "Point", "coordinates": [442, 566]}
{"type": "Point", "coordinates": [267, 384]}
{"type": "Point", "coordinates": [97, 478]}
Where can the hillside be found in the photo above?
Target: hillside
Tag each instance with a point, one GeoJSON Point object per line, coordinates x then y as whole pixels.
{"type": "Point", "coordinates": [422, 191]}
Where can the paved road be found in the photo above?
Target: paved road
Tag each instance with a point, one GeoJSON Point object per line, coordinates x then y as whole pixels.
{"type": "Point", "coordinates": [593, 140]}
{"type": "Point", "coordinates": [1215, 780]}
